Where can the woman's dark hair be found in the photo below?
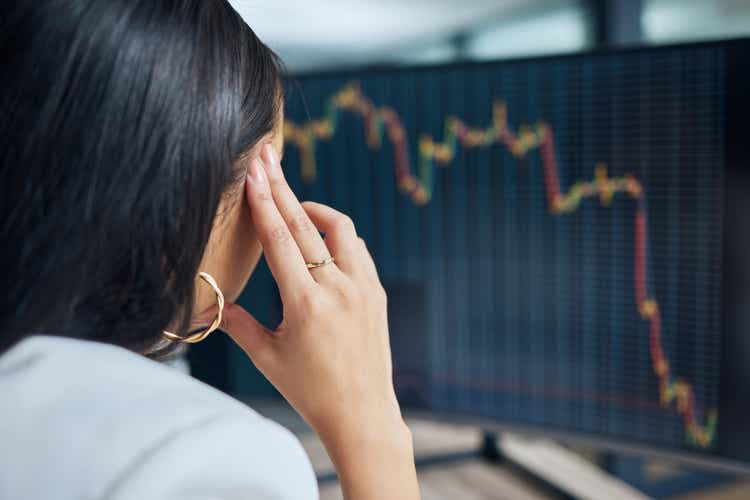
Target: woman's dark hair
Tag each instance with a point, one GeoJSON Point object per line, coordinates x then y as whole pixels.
{"type": "Point", "coordinates": [121, 126]}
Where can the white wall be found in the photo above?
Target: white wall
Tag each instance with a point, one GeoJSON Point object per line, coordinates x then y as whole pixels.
{"type": "Point", "coordinates": [690, 20]}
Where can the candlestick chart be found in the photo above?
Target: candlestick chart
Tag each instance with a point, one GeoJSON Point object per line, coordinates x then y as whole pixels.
{"type": "Point", "coordinates": [613, 294]}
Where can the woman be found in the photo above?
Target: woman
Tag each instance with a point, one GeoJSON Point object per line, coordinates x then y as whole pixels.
{"type": "Point", "coordinates": [141, 181]}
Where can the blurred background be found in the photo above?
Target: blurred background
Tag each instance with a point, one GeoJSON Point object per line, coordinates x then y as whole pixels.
{"type": "Point", "coordinates": [345, 33]}
{"type": "Point", "coordinates": [394, 49]}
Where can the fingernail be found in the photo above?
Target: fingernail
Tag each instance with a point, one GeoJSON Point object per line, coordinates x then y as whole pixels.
{"type": "Point", "coordinates": [272, 163]}
{"type": "Point", "coordinates": [256, 174]}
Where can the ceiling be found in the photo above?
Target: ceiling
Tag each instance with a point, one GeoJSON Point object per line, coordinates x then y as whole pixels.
{"type": "Point", "coordinates": [309, 34]}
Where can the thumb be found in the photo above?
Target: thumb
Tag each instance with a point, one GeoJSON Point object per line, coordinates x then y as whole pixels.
{"type": "Point", "coordinates": [247, 332]}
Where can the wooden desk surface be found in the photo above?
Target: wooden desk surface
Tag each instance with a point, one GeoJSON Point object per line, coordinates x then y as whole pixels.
{"type": "Point", "coordinates": [469, 479]}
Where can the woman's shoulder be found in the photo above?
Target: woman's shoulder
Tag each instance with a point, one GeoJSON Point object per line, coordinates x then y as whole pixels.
{"type": "Point", "coordinates": [91, 380]}
{"type": "Point", "coordinates": [95, 411]}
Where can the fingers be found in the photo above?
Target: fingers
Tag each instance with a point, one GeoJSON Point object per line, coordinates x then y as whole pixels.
{"type": "Point", "coordinates": [245, 330]}
{"type": "Point", "coordinates": [340, 236]}
{"type": "Point", "coordinates": [282, 253]}
{"type": "Point", "coordinates": [288, 231]}
{"type": "Point", "coordinates": [308, 239]}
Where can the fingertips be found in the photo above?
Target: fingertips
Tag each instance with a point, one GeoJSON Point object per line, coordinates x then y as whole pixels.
{"type": "Point", "coordinates": [271, 162]}
{"type": "Point", "coordinates": [256, 173]}
{"type": "Point", "coordinates": [256, 185]}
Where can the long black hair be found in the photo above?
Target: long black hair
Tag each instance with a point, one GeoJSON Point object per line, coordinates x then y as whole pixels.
{"type": "Point", "coordinates": [121, 126]}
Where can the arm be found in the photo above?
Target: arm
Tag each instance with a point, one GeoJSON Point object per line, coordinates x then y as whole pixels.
{"type": "Point", "coordinates": [330, 357]}
{"type": "Point", "coordinates": [374, 462]}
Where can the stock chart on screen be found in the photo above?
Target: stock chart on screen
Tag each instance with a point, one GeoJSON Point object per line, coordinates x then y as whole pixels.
{"type": "Point", "coordinates": [549, 232]}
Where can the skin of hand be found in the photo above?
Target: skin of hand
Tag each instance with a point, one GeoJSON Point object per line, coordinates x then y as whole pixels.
{"type": "Point", "coordinates": [330, 356]}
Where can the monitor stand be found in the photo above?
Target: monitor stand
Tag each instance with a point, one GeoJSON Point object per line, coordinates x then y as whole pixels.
{"type": "Point", "coordinates": [546, 462]}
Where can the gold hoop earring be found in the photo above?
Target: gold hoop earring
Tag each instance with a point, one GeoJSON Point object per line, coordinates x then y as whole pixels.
{"type": "Point", "coordinates": [201, 333]}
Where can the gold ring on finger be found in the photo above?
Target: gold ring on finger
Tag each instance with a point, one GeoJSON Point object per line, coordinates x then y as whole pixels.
{"type": "Point", "coordinates": [320, 263]}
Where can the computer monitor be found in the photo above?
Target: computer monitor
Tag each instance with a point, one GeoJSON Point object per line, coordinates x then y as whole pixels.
{"type": "Point", "coordinates": [564, 239]}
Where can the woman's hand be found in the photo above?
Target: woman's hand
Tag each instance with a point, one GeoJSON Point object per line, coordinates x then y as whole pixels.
{"type": "Point", "coordinates": [330, 356]}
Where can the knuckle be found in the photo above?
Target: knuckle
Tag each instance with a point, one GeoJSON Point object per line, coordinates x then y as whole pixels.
{"type": "Point", "coordinates": [279, 234]}
{"type": "Point", "coordinates": [301, 223]}
{"type": "Point", "coordinates": [263, 196]}
{"type": "Point", "coordinates": [347, 293]}
{"type": "Point", "coordinates": [311, 304]}
{"type": "Point", "coordinates": [344, 222]}
{"type": "Point", "coordinates": [277, 181]}
{"type": "Point", "coordinates": [380, 296]}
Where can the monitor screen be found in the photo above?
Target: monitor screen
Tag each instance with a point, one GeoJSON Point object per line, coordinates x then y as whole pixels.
{"type": "Point", "coordinates": [560, 237]}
